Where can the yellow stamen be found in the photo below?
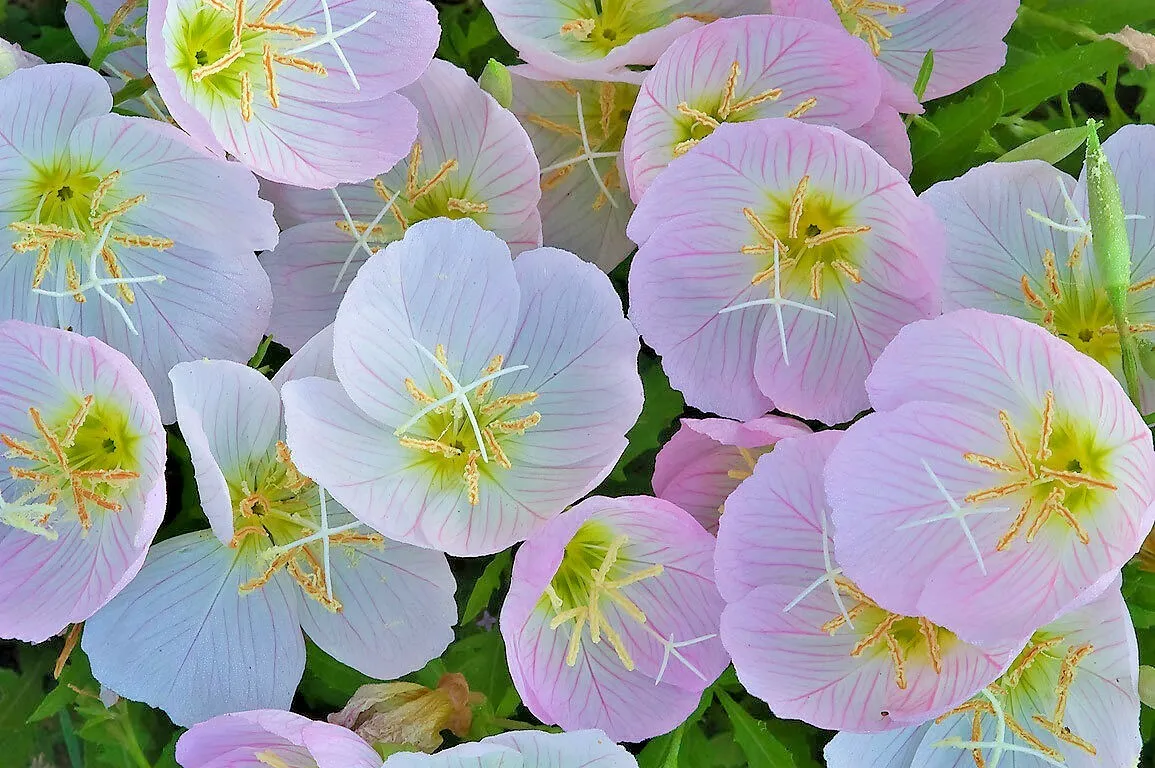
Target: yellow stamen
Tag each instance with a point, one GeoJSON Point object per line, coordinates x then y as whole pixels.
{"type": "Point", "coordinates": [220, 65]}
{"type": "Point", "coordinates": [835, 233]}
{"type": "Point", "coordinates": [803, 108]}
{"type": "Point", "coordinates": [797, 201]}
{"type": "Point", "coordinates": [435, 447]}
{"type": "Point", "coordinates": [578, 29]}
{"type": "Point", "coordinates": [556, 127]}
{"type": "Point", "coordinates": [698, 116]}
{"type": "Point", "coordinates": [270, 77]}
{"type": "Point", "coordinates": [246, 97]}
{"type": "Point", "coordinates": [728, 91]}
{"type": "Point", "coordinates": [473, 478]}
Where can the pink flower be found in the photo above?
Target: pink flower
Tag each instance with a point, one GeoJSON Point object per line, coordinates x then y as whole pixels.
{"type": "Point", "coordinates": [814, 644]}
{"type": "Point", "coordinates": [299, 91]}
{"type": "Point", "coordinates": [471, 160]}
{"type": "Point", "coordinates": [121, 228]}
{"type": "Point", "coordinates": [478, 396]}
{"type": "Point", "coordinates": [612, 618]}
{"type": "Point", "coordinates": [599, 41]}
{"type": "Point", "coordinates": [577, 128]}
{"type": "Point", "coordinates": [737, 70]}
{"type": "Point", "coordinates": [1020, 244]}
{"type": "Point", "coordinates": [269, 737]}
{"type": "Point", "coordinates": [524, 749]}
{"type": "Point", "coordinates": [776, 261]}
{"type": "Point", "coordinates": [706, 459]}
{"type": "Point", "coordinates": [965, 35]}
{"type": "Point", "coordinates": [1070, 699]}
{"type": "Point", "coordinates": [214, 620]}
{"type": "Point", "coordinates": [82, 492]}
{"type": "Point", "coordinates": [1005, 477]}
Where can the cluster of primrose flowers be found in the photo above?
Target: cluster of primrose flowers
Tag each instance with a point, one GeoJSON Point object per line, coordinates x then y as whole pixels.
{"type": "Point", "coordinates": [939, 581]}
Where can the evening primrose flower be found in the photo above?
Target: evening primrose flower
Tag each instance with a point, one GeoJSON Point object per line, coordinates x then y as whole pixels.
{"type": "Point", "coordinates": [281, 557]}
{"type": "Point", "coordinates": [706, 459]}
{"type": "Point", "coordinates": [300, 92]}
{"type": "Point", "coordinates": [1005, 477]}
{"type": "Point", "coordinates": [600, 39]}
{"type": "Point", "coordinates": [1070, 699]}
{"type": "Point", "coordinates": [119, 228]}
{"type": "Point", "coordinates": [1020, 244]}
{"type": "Point", "coordinates": [130, 61]}
{"type": "Point", "coordinates": [478, 395]}
{"type": "Point", "coordinates": [524, 749]}
{"type": "Point", "coordinates": [966, 37]}
{"type": "Point", "coordinates": [82, 488]}
{"type": "Point", "coordinates": [805, 637]}
{"type": "Point", "coordinates": [612, 618]}
{"type": "Point", "coordinates": [736, 70]}
{"type": "Point", "coordinates": [776, 261]}
{"type": "Point", "coordinates": [272, 738]}
{"type": "Point", "coordinates": [577, 127]}
{"type": "Point", "coordinates": [471, 160]}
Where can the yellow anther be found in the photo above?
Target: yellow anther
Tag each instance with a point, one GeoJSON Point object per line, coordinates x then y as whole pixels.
{"type": "Point", "coordinates": [835, 233]}
{"type": "Point", "coordinates": [607, 98]}
{"type": "Point", "coordinates": [866, 26]}
{"type": "Point", "coordinates": [578, 29]}
{"type": "Point", "coordinates": [435, 447]}
{"type": "Point", "coordinates": [271, 7]}
{"type": "Point", "coordinates": [797, 201]}
{"type": "Point", "coordinates": [929, 633]}
{"type": "Point", "coordinates": [1052, 275]}
{"type": "Point", "coordinates": [728, 91]}
{"type": "Point", "coordinates": [116, 211]}
{"type": "Point", "coordinates": [554, 126]}
{"type": "Point", "coordinates": [466, 206]}
{"type": "Point", "coordinates": [849, 270]}
{"type": "Point", "coordinates": [803, 107]}
{"type": "Point", "coordinates": [43, 260]}
{"type": "Point", "coordinates": [419, 395]}
{"type": "Point", "coordinates": [238, 21]}
{"type": "Point", "coordinates": [705, 18]}
{"type": "Point", "coordinates": [1029, 294]}
{"type": "Point", "coordinates": [494, 366]}
{"type": "Point", "coordinates": [271, 89]}
{"type": "Point", "coordinates": [609, 181]}
{"type": "Point", "coordinates": [46, 232]}
{"type": "Point", "coordinates": [220, 65]}
{"type": "Point", "coordinates": [683, 147]}
{"type": "Point", "coordinates": [72, 280]}
{"type": "Point", "coordinates": [516, 426]}
{"type": "Point", "coordinates": [279, 562]}
{"type": "Point", "coordinates": [816, 273]}
{"type": "Point", "coordinates": [387, 196]}
{"type": "Point", "coordinates": [242, 533]}
{"type": "Point", "coordinates": [246, 97]}
{"type": "Point", "coordinates": [305, 65]}
{"type": "Point", "coordinates": [414, 189]}
{"type": "Point", "coordinates": [698, 116]}
{"type": "Point", "coordinates": [270, 759]}
{"type": "Point", "coordinates": [100, 191]}
{"type": "Point", "coordinates": [1143, 285]}
{"type": "Point", "coordinates": [473, 478]}
{"type": "Point", "coordinates": [143, 241]}
{"type": "Point", "coordinates": [506, 402]}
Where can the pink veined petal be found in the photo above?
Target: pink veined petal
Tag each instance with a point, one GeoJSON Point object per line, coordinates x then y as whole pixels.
{"type": "Point", "coordinates": [397, 607]}
{"type": "Point", "coordinates": [50, 583]}
{"type": "Point", "coordinates": [43, 105]}
{"type": "Point", "coordinates": [993, 243]}
{"type": "Point", "coordinates": [315, 358]}
{"type": "Point", "coordinates": [229, 416]}
{"type": "Point", "coordinates": [200, 647]}
{"type": "Point", "coordinates": [706, 459]}
{"type": "Point", "coordinates": [800, 58]}
{"type": "Point", "coordinates": [360, 462]}
{"type": "Point", "coordinates": [882, 484]}
{"type": "Point", "coordinates": [318, 145]}
{"type": "Point", "coordinates": [804, 672]}
{"type": "Point", "coordinates": [965, 35]}
{"type": "Point", "coordinates": [679, 603]}
{"type": "Point", "coordinates": [475, 755]}
{"type": "Point", "coordinates": [391, 45]}
{"type": "Point", "coordinates": [679, 282]}
{"type": "Point", "coordinates": [776, 524]}
{"type": "Point", "coordinates": [888, 749]}
{"type": "Point", "coordinates": [576, 749]}
{"type": "Point", "coordinates": [233, 740]}
{"type": "Point", "coordinates": [449, 283]}
{"type": "Point", "coordinates": [886, 133]}
{"type": "Point", "coordinates": [335, 747]}
{"type": "Point", "coordinates": [303, 270]}
{"type": "Point", "coordinates": [576, 214]}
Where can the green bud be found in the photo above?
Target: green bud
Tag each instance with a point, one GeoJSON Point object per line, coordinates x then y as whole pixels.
{"type": "Point", "coordinates": [1147, 685]}
{"type": "Point", "coordinates": [1112, 248]}
{"type": "Point", "coordinates": [496, 81]}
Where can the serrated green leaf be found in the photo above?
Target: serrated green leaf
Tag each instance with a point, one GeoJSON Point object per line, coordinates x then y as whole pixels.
{"type": "Point", "coordinates": [487, 584]}
{"type": "Point", "coordinates": [761, 748]}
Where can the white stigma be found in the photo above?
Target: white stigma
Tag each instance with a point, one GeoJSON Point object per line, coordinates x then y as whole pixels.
{"type": "Point", "coordinates": [956, 513]}
{"type": "Point", "coordinates": [1000, 745]}
{"type": "Point", "coordinates": [829, 576]}
{"type": "Point", "coordinates": [670, 648]}
{"type": "Point", "coordinates": [777, 302]}
{"type": "Point", "coordinates": [588, 152]}
{"type": "Point", "coordinates": [458, 394]}
{"type": "Point", "coordinates": [97, 283]}
{"type": "Point", "coordinates": [331, 37]}
{"type": "Point", "coordinates": [360, 241]}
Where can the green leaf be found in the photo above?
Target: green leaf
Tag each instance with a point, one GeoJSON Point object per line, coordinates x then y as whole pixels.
{"type": "Point", "coordinates": [665, 751]}
{"type": "Point", "coordinates": [487, 584]}
{"type": "Point", "coordinates": [662, 406]}
{"type": "Point", "coordinates": [762, 749]}
{"type": "Point", "coordinates": [481, 658]}
{"type": "Point", "coordinates": [328, 684]}
{"type": "Point", "coordinates": [1050, 148]}
{"type": "Point", "coordinates": [20, 693]}
{"type": "Point", "coordinates": [962, 126]}
{"type": "Point", "coordinates": [924, 73]}
{"type": "Point", "coordinates": [1038, 78]}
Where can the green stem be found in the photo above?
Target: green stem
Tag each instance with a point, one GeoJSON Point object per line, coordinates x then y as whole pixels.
{"type": "Point", "coordinates": [1129, 352]}
{"type": "Point", "coordinates": [131, 744]}
{"type": "Point", "coordinates": [71, 744]}
{"type": "Point", "coordinates": [1117, 115]}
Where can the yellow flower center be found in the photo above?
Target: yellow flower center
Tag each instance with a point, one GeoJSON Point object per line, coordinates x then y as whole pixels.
{"type": "Point", "coordinates": [862, 19]}
{"type": "Point", "coordinates": [81, 456]}
{"type": "Point", "coordinates": [701, 120]}
{"type": "Point", "coordinates": [1059, 467]}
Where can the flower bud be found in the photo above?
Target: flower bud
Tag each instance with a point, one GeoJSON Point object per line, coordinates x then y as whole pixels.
{"type": "Point", "coordinates": [410, 714]}
{"type": "Point", "coordinates": [495, 80]}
